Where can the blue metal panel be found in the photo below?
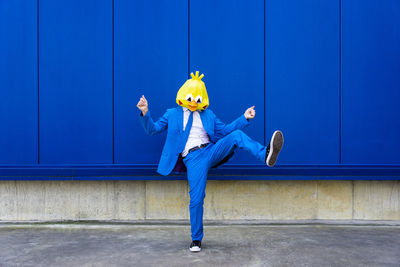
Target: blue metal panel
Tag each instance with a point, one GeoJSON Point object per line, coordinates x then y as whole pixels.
{"type": "Point", "coordinates": [151, 54]}
{"type": "Point", "coordinates": [18, 82]}
{"type": "Point", "coordinates": [371, 82]}
{"type": "Point", "coordinates": [232, 172]}
{"type": "Point", "coordinates": [302, 79]}
{"type": "Point", "coordinates": [227, 45]}
{"type": "Point", "coordinates": [75, 74]}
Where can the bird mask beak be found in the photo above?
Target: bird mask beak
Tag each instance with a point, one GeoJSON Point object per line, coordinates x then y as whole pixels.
{"type": "Point", "coordinates": [192, 106]}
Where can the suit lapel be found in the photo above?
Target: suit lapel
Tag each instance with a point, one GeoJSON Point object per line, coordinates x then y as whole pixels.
{"type": "Point", "coordinates": [180, 119]}
{"type": "Point", "coordinates": [204, 121]}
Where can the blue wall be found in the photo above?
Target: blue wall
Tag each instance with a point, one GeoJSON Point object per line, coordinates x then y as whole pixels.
{"type": "Point", "coordinates": [327, 73]}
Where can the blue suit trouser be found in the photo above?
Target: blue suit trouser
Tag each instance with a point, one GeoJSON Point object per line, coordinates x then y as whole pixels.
{"type": "Point", "coordinates": [200, 161]}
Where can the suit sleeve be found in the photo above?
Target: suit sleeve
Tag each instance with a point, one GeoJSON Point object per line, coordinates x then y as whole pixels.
{"type": "Point", "coordinates": [223, 129]}
{"type": "Point", "coordinates": [151, 127]}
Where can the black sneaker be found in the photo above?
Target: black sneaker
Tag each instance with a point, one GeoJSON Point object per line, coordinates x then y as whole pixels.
{"type": "Point", "coordinates": [195, 246]}
{"type": "Point", "coordinates": [273, 148]}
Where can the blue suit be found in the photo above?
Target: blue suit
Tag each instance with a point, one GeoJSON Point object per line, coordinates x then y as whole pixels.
{"type": "Point", "coordinates": [224, 139]}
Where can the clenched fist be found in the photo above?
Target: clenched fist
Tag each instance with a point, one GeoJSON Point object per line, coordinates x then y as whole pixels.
{"type": "Point", "coordinates": [143, 105]}
{"type": "Point", "coordinates": [250, 113]}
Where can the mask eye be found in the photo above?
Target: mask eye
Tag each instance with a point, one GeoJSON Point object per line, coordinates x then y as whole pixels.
{"type": "Point", "coordinates": [189, 97]}
{"type": "Point", "coordinates": [199, 99]}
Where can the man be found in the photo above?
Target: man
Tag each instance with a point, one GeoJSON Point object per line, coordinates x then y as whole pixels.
{"type": "Point", "coordinates": [198, 141]}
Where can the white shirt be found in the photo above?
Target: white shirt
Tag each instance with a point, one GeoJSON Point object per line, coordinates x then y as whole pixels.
{"type": "Point", "coordinates": [197, 134]}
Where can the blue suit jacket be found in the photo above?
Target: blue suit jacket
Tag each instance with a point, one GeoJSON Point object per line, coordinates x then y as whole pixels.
{"type": "Point", "coordinates": [172, 120]}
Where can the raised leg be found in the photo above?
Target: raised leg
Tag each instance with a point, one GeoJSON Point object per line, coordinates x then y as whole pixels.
{"type": "Point", "coordinates": [237, 138]}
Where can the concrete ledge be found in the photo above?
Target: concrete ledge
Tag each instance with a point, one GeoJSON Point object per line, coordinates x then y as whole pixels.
{"type": "Point", "coordinates": [225, 200]}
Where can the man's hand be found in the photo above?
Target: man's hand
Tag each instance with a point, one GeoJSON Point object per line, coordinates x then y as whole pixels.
{"type": "Point", "coordinates": [143, 105]}
{"type": "Point", "coordinates": [250, 113]}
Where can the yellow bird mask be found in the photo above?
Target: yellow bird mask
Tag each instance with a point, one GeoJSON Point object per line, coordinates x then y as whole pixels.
{"type": "Point", "coordinates": [193, 94]}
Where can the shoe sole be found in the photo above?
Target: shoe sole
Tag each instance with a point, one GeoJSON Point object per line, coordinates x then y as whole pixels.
{"type": "Point", "coordinates": [275, 147]}
{"type": "Point", "coordinates": [195, 249]}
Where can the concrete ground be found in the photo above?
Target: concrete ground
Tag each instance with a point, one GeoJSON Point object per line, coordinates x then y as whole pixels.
{"type": "Point", "coordinates": [92, 244]}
